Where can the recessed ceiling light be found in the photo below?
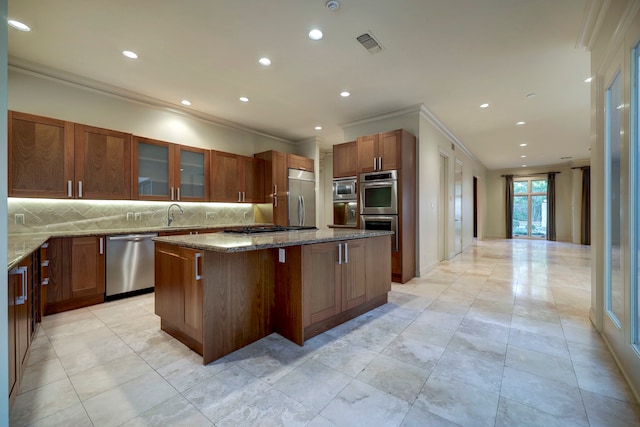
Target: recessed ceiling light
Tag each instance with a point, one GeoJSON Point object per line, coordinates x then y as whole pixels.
{"type": "Point", "coordinates": [485, 105]}
{"type": "Point", "coordinates": [244, 99]}
{"type": "Point", "coordinates": [523, 156]}
{"type": "Point", "coordinates": [318, 128]}
{"type": "Point", "coordinates": [185, 102]}
{"type": "Point", "coordinates": [520, 123]}
{"type": "Point", "coordinates": [315, 34]}
{"type": "Point", "coordinates": [129, 54]}
{"type": "Point", "coordinates": [588, 79]}
{"type": "Point", "coordinates": [531, 95]}
{"type": "Point", "coordinates": [264, 61]}
{"type": "Point", "coordinates": [524, 144]}
{"type": "Point", "coordinates": [18, 25]}
{"type": "Point", "coordinates": [345, 94]}
{"type": "Point", "coordinates": [524, 166]}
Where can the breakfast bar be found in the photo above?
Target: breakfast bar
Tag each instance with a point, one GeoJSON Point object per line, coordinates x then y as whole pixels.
{"type": "Point", "coordinates": [219, 292]}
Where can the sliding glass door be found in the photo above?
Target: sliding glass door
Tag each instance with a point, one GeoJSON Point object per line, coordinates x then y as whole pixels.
{"type": "Point", "coordinates": [530, 208]}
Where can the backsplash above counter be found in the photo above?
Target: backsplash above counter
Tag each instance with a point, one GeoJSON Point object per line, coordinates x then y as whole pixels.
{"type": "Point", "coordinates": [26, 215]}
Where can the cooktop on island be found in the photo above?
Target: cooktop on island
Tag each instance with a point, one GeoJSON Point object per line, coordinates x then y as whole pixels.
{"type": "Point", "coordinates": [270, 229]}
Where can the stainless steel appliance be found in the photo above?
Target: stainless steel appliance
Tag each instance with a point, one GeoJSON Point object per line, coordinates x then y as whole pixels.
{"type": "Point", "coordinates": [379, 193]}
{"type": "Point", "coordinates": [345, 188]}
{"type": "Point", "coordinates": [382, 222]}
{"type": "Point", "coordinates": [302, 198]}
{"type": "Point", "coordinates": [129, 264]}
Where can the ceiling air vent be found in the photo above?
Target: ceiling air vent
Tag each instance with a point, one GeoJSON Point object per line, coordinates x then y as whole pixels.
{"type": "Point", "coordinates": [369, 43]}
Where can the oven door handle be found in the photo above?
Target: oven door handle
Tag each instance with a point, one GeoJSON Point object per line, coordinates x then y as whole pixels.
{"type": "Point", "coordinates": [378, 184]}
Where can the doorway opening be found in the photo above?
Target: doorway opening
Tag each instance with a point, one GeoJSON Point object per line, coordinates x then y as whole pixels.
{"type": "Point", "coordinates": [475, 207]}
{"type": "Point", "coordinates": [529, 208]}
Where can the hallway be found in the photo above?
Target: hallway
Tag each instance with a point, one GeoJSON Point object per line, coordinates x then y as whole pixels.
{"type": "Point", "coordinates": [498, 336]}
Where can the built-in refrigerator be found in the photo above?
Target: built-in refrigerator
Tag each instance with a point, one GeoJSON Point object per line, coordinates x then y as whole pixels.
{"type": "Point", "coordinates": [302, 198]}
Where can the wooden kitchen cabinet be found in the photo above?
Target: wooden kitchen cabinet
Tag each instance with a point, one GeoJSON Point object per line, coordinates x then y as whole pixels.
{"type": "Point", "coordinates": [40, 159]}
{"type": "Point", "coordinates": [178, 292]}
{"type": "Point", "coordinates": [298, 162]}
{"type": "Point", "coordinates": [345, 159]}
{"type": "Point", "coordinates": [171, 172]}
{"type": "Point", "coordinates": [275, 185]}
{"type": "Point", "coordinates": [57, 159]}
{"type": "Point", "coordinates": [380, 151]}
{"type": "Point", "coordinates": [236, 178]}
{"type": "Point", "coordinates": [21, 326]}
{"type": "Point", "coordinates": [341, 276]}
{"type": "Point", "coordinates": [76, 273]}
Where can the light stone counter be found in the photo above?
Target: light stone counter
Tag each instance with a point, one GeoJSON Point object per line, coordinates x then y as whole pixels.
{"type": "Point", "coordinates": [231, 242]}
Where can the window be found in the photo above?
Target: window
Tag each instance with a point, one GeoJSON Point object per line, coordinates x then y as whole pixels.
{"type": "Point", "coordinates": [529, 208]}
{"type": "Point", "coordinates": [614, 280]}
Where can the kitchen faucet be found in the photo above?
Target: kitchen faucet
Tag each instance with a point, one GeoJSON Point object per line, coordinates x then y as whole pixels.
{"type": "Point", "coordinates": [170, 215]}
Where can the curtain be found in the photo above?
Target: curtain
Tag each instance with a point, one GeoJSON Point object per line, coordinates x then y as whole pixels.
{"type": "Point", "coordinates": [509, 206]}
{"type": "Point", "coordinates": [585, 216]}
{"type": "Point", "coordinates": [551, 206]}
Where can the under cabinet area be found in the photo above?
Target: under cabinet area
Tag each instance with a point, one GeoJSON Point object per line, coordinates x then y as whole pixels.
{"type": "Point", "coordinates": [76, 273]}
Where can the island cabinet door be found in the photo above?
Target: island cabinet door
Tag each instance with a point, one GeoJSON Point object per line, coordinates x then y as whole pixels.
{"type": "Point", "coordinates": [168, 284]}
{"type": "Point", "coordinates": [192, 280]}
{"type": "Point", "coordinates": [322, 277]}
{"type": "Point", "coordinates": [354, 287]}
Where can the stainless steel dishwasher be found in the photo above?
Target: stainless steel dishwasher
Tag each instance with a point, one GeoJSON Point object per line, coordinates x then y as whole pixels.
{"type": "Point", "coordinates": [129, 265]}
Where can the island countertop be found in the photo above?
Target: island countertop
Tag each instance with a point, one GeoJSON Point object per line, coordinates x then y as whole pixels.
{"type": "Point", "coordinates": [229, 242]}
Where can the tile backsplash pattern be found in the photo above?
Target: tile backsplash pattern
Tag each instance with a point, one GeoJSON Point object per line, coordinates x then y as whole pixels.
{"type": "Point", "coordinates": [53, 215]}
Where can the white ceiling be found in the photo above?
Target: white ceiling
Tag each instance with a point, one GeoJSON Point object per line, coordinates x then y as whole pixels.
{"type": "Point", "coordinates": [450, 55]}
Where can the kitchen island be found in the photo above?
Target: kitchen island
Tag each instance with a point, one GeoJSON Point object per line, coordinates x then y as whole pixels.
{"type": "Point", "coordinates": [219, 292]}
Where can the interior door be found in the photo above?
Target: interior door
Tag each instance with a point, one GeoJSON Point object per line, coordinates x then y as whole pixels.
{"type": "Point", "coordinates": [457, 206]}
{"type": "Point", "coordinates": [443, 211]}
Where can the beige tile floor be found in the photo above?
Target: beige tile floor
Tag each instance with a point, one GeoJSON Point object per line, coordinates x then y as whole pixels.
{"type": "Point", "coordinates": [498, 336]}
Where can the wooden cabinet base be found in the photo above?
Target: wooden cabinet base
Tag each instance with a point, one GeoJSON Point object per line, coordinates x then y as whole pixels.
{"type": "Point", "coordinates": [187, 340]}
{"type": "Point", "coordinates": [330, 323]}
{"type": "Point", "coordinates": [59, 307]}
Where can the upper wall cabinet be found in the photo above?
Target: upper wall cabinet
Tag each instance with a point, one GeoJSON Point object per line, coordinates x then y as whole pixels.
{"type": "Point", "coordinates": [57, 159]}
{"type": "Point", "coordinates": [380, 151]}
{"type": "Point", "coordinates": [345, 159]}
{"type": "Point", "coordinates": [236, 178]}
{"type": "Point", "coordinates": [299, 162]}
{"type": "Point", "coordinates": [166, 171]}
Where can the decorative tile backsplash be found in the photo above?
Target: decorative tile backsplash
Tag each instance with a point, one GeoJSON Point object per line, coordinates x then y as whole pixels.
{"type": "Point", "coordinates": [51, 215]}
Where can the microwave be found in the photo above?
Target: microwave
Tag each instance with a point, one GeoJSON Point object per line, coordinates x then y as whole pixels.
{"type": "Point", "coordinates": [345, 188]}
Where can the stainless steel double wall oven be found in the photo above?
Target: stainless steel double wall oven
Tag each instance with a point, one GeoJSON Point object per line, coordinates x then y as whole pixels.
{"type": "Point", "coordinates": [379, 202]}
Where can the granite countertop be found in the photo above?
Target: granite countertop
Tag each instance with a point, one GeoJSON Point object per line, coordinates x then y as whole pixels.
{"type": "Point", "coordinates": [21, 245]}
{"type": "Point", "coordinates": [227, 242]}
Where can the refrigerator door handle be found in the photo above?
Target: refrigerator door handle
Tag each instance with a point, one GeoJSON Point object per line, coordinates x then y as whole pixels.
{"type": "Point", "coordinates": [303, 211]}
{"type": "Point", "coordinates": [300, 210]}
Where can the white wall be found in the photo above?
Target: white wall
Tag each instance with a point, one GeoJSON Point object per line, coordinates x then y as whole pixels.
{"type": "Point", "coordinates": [4, 338]}
{"type": "Point", "coordinates": [565, 188]}
{"type": "Point", "coordinates": [34, 94]}
{"type": "Point", "coordinates": [431, 141]}
{"type": "Point", "coordinates": [325, 190]}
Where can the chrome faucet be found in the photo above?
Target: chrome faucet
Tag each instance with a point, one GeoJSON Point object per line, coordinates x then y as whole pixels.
{"type": "Point", "coordinates": [170, 215]}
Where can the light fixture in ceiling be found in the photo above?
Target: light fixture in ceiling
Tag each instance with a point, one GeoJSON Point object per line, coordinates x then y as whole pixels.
{"type": "Point", "coordinates": [318, 128]}
{"type": "Point", "coordinates": [524, 144]}
{"type": "Point", "coordinates": [523, 156]}
{"type": "Point", "coordinates": [588, 79]}
{"type": "Point", "coordinates": [244, 99]}
{"type": "Point", "coordinates": [130, 54]}
{"type": "Point", "coordinates": [524, 166]}
{"type": "Point", "coordinates": [185, 102]}
{"type": "Point", "coordinates": [18, 25]}
{"type": "Point", "coordinates": [485, 105]}
{"type": "Point", "coordinates": [333, 5]}
{"type": "Point", "coordinates": [520, 123]}
{"type": "Point", "coordinates": [345, 94]}
{"type": "Point", "coordinates": [531, 95]}
{"type": "Point", "coordinates": [315, 34]}
{"type": "Point", "coordinates": [264, 61]}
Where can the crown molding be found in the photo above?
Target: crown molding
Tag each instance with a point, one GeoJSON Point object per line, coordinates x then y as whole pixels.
{"type": "Point", "coordinates": [593, 17]}
{"type": "Point", "coordinates": [383, 116]}
{"type": "Point", "coordinates": [29, 68]}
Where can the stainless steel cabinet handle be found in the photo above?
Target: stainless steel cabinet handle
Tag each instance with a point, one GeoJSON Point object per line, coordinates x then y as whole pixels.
{"type": "Point", "coordinates": [45, 281]}
{"type": "Point", "coordinates": [69, 189]}
{"type": "Point", "coordinates": [339, 253]}
{"type": "Point", "coordinates": [101, 245]}
{"type": "Point", "coordinates": [44, 263]}
{"type": "Point", "coordinates": [346, 253]}
{"type": "Point", "coordinates": [239, 196]}
{"type": "Point", "coordinates": [379, 163]}
{"type": "Point", "coordinates": [178, 193]}
{"type": "Point", "coordinates": [375, 162]}
{"type": "Point", "coordinates": [80, 189]}
{"type": "Point", "coordinates": [22, 271]}
{"type": "Point", "coordinates": [197, 270]}
{"type": "Point", "coordinates": [171, 193]}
